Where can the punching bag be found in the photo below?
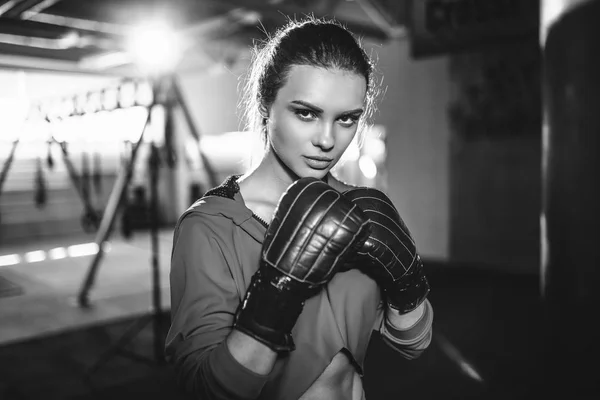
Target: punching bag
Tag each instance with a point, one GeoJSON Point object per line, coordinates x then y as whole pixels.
{"type": "Point", "coordinates": [49, 158]}
{"type": "Point", "coordinates": [169, 148]}
{"type": "Point", "coordinates": [570, 218]}
{"type": "Point", "coordinates": [40, 189]}
{"type": "Point", "coordinates": [97, 174]}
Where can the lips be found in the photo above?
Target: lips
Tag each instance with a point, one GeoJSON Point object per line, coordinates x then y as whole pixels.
{"type": "Point", "coordinates": [317, 158]}
{"type": "Point", "coordinates": [318, 162]}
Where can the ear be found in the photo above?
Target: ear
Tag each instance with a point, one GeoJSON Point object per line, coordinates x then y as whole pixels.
{"type": "Point", "coordinates": [264, 112]}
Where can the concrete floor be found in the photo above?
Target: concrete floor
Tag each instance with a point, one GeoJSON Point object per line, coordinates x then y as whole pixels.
{"type": "Point", "coordinates": [51, 286]}
{"type": "Point", "coordinates": [486, 333]}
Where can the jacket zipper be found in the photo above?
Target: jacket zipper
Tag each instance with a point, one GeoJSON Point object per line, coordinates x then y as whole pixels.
{"type": "Point", "coordinates": [259, 219]}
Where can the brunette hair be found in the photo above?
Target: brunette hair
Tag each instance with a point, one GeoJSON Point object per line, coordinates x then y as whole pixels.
{"type": "Point", "coordinates": [313, 42]}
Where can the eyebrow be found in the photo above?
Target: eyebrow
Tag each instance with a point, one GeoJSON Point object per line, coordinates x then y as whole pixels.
{"type": "Point", "coordinates": [320, 110]}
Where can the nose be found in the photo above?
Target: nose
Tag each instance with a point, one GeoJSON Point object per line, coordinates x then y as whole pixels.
{"type": "Point", "coordinates": [324, 138]}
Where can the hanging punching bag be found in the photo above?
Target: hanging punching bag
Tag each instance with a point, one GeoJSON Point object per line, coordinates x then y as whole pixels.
{"type": "Point", "coordinates": [49, 158]}
{"type": "Point", "coordinates": [89, 218]}
{"type": "Point", "coordinates": [169, 148]}
{"type": "Point", "coordinates": [570, 218]}
{"type": "Point", "coordinates": [40, 189]}
{"type": "Point", "coordinates": [97, 174]}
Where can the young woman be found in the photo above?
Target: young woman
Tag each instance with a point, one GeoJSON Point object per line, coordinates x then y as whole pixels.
{"type": "Point", "coordinates": [246, 324]}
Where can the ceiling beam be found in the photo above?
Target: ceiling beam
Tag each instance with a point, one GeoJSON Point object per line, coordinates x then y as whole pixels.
{"type": "Point", "coordinates": [19, 62]}
{"type": "Point", "coordinates": [290, 7]}
{"type": "Point", "coordinates": [79, 24]}
{"type": "Point", "coordinates": [394, 25]}
{"type": "Point", "coordinates": [38, 8]}
{"type": "Point", "coordinates": [34, 28]}
{"type": "Point", "coordinates": [213, 24]}
{"type": "Point", "coordinates": [19, 7]}
{"type": "Point", "coordinates": [7, 5]}
{"type": "Point", "coordinates": [279, 12]}
{"type": "Point", "coordinates": [198, 35]}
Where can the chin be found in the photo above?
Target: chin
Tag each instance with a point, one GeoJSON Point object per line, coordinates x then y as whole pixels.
{"type": "Point", "coordinates": [313, 173]}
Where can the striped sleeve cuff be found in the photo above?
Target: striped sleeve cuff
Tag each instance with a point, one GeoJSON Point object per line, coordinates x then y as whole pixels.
{"type": "Point", "coordinates": [413, 335]}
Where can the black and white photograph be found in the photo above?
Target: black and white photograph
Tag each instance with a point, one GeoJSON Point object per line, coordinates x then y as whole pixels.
{"type": "Point", "coordinates": [299, 199]}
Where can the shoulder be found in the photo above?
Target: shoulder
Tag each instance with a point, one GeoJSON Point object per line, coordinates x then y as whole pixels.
{"type": "Point", "coordinates": [196, 229]}
{"type": "Point", "coordinates": [227, 189]}
{"type": "Point", "coordinates": [194, 219]}
{"type": "Point", "coordinates": [219, 202]}
{"type": "Point", "coordinates": [204, 240]}
{"type": "Point", "coordinates": [210, 217]}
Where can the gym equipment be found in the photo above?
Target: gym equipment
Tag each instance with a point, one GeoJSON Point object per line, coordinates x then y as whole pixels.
{"type": "Point", "coordinates": [49, 158]}
{"type": "Point", "coordinates": [118, 197]}
{"type": "Point", "coordinates": [156, 317]}
{"type": "Point", "coordinates": [91, 217]}
{"type": "Point", "coordinates": [97, 173]}
{"type": "Point", "coordinates": [165, 94]}
{"type": "Point", "coordinates": [8, 163]}
{"type": "Point", "coordinates": [194, 131]}
{"type": "Point", "coordinates": [162, 90]}
{"type": "Point", "coordinates": [40, 191]}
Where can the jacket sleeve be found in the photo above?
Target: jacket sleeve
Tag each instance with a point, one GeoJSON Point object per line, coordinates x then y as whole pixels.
{"type": "Point", "coordinates": [411, 342]}
{"type": "Point", "coordinates": [204, 299]}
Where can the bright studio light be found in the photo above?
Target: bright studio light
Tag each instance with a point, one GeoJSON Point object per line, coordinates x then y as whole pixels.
{"type": "Point", "coordinates": [367, 167]}
{"type": "Point", "coordinates": [155, 47]}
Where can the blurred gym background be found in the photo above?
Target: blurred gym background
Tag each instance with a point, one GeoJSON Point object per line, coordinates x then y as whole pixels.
{"type": "Point", "coordinates": [115, 115]}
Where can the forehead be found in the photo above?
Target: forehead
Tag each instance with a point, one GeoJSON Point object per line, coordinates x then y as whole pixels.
{"type": "Point", "coordinates": [330, 89]}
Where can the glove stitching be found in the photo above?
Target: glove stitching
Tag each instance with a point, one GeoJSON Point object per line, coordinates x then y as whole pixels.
{"type": "Point", "coordinates": [312, 232]}
{"type": "Point", "coordinates": [380, 262]}
{"type": "Point", "coordinates": [378, 199]}
{"type": "Point", "coordinates": [351, 242]}
{"type": "Point", "coordinates": [396, 223]}
{"type": "Point", "coordinates": [328, 240]}
{"type": "Point", "coordinates": [282, 222]}
{"type": "Point", "coordinates": [395, 256]}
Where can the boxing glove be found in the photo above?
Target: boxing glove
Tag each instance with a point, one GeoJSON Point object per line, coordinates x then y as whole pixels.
{"type": "Point", "coordinates": [313, 232]}
{"type": "Point", "coordinates": [389, 254]}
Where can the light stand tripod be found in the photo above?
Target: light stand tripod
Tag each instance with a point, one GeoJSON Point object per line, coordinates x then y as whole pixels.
{"type": "Point", "coordinates": [116, 199]}
{"type": "Point", "coordinates": [169, 95]}
{"type": "Point", "coordinates": [156, 317]}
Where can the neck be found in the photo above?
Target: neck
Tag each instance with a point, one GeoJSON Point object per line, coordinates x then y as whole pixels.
{"type": "Point", "coordinates": [271, 175]}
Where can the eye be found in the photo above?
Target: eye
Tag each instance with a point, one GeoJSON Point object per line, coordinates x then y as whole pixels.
{"type": "Point", "coordinates": [348, 121]}
{"type": "Point", "coordinates": [304, 114]}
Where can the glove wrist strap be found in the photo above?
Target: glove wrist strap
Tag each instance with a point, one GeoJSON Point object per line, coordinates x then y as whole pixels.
{"type": "Point", "coordinates": [405, 295]}
{"type": "Point", "coordinates": [270, 311]}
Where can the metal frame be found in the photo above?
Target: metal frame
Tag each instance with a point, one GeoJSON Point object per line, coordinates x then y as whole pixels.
{"type": "Point", "coordinates": [117, 197]}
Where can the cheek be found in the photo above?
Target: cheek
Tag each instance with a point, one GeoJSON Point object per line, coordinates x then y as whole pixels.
{"type": "Point", "coordinates": [288, 133]}
{"type": "Point", "coordinates": [344, 138]}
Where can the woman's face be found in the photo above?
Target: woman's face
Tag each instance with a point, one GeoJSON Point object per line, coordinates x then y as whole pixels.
{"type": "Point", "coordinates": [314, 118]}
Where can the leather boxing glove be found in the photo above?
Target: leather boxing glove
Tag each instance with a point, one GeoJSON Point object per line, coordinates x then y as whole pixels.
{"type": "Point", "coordinates": [389, 255]}
{"type": "Point", "coordinates": [313, 232]}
